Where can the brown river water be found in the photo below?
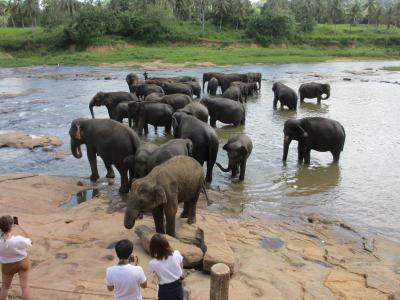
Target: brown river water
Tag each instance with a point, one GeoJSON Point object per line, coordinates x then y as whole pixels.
{"type": "Point", "coordinates": [363, 189]}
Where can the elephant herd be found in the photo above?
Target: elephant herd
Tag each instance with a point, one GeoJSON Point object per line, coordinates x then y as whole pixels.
{"type": "Point", "coordinates": [160, 177]}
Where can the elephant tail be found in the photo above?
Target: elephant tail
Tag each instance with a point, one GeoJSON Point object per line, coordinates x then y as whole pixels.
{"type": "Point", "coordinates": [203, 186]}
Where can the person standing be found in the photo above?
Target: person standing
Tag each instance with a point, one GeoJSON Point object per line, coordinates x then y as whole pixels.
{"type": "Point", "coordinates": [167, 264]}
{"type": "Point", "coordinates": [124, 278]}
{"type": "Point", "coordinates": [13, 256]}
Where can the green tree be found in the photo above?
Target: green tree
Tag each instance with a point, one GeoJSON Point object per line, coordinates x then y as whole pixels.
{"type": "Point", "coordinates": [354, 13]}
{"type": "Point", "coordinates": [370, 8]}
{"type": "Point", "coordinates": [240, 11]}
{"type": "Point", "coordinates": [305, 12]}
{"type": "Point", "coordinates": [220, 8]}
{"type": "Point", "coordinates": [335, 11]}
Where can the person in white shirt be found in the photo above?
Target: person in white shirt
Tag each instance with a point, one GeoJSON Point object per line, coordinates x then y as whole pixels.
{"type": "Point", "coordinates": [167, 264]}
{"type": "Point", "coordinates": [13, 256]}
{"type": "Point", "coordinates": [124, 278]}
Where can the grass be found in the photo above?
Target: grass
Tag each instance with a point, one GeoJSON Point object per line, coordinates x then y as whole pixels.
{"type": "Point", "coordinates": [22, 47]}
{"type": "Point", "coordinates": [392, 68]}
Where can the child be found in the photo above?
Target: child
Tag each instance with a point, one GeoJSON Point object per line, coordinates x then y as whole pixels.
{"type": "Point", "coordinates": [124, 278]}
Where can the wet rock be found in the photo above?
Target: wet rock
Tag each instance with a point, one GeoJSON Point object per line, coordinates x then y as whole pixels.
{"type": "Point", "coordinates": [79, 183]}
{"type": "Point", "coordinates": [192, 255]}
{"type": "Point", "coordinates": [68, 221]}
{"type": "Point", "coordinates": [62, 154]}
{"type": "Point", "coordinates": [271, 243]}
{"type": "Point", "coordinates": [17, 94]}
{"type": "Point", "coordinates": [61, 255]}
{"type": "Point", "coordinates": [108, 78]}
{"type": "Point", "coordinates": [346, 79]}
{"type": "Point", "coordinates": [218, 250]}
{"type": "Point", "coordinates": [23, 140]}
{"type": "Point", "coordinates": [6, 110]}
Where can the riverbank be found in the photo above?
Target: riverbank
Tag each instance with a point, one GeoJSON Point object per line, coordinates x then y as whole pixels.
{"type": "Point", "coordinates": [307, 258]}
{"type": "Point", "coordinates": [181, 56]}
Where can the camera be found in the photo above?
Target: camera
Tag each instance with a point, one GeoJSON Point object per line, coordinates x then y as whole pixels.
{"type": "Point", "coordinates": [15, 220]}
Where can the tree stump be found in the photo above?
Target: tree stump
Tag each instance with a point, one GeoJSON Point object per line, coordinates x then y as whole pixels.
{"type": "Point", "coordinates": [219, 288]}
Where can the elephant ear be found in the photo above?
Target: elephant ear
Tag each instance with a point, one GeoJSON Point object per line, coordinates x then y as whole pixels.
{"type": "Point", "coordinates": [304, 133]}
{"type": "Point", "coordinates": [108, 100]}
{"type": "Point", "coordinates": [225, 147]}
{"type": "Point", "coordinates": [79, 132]}
{"type": "Point", "coordinates": [175, 126]}
{"type": "Point", "coordinates": [160, 196]}
{"type": "Point", "coordinates": [189, 146]}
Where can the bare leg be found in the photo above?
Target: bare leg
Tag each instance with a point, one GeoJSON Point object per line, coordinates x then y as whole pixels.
{"type": "Point", "coordinates": [24, 283]}
{"type": "Point", "coordinates": [5, 286]}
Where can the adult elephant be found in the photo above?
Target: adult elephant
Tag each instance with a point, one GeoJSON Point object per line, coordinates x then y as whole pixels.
{"type": "Point", "coordinates": [154, 97]}
{"type": "Point", "coordinates": [239, 148]}
{"type": "Point", "coordinates": [195, 86]}
{"type": "Point", "coordinates": [143, 90]}
{"type": "Point", "coordinates": [225, 111]}
{"type": "Point", "coordinates": [197, 110]}
{"type": "Point", "coordinates": [122, 112]}
{"type": "Point", "coordinates": [226, 80]}
{"type": "Point", "coordinates": [110, 101]}
{"type": "Point", "coordinates": [314, 90]}
{"type": "Point", "coordinates": [286, 95]}
{"type": "Point", "coordinates": [212, 86]}
{"type": "Point", "coordinates": [207, 77]}
{"type": "Point", "coordinates": [314, 133]}
{"type": "Point", "coordinates": [255, 78]}
{"type": "Point", "coordinates": [177, 88]}
{"type": "Point", "coordinates": [154, 113]}
{"type": "Point", "coordinates": [139, 161]}
{"type": "Point", "coordinates": [132, 79]}
{"type": "Point", "coordinates": [177, 101]}
{"type": "Point", "coordinates": [204, 139]}
{"type": "Point", "coordinates": [110, 140]}
{"type": "Point", "coordinates": [234, 92]}
{"type": "Point", "coordinates": [178, 180]}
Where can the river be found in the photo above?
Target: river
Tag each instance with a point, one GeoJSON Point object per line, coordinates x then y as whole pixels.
{"type": "Point", "coordinates": [363, 189]}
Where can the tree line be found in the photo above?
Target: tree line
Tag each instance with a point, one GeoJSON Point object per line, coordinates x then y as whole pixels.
{"type": "Point", "coordinates": [264, 21]}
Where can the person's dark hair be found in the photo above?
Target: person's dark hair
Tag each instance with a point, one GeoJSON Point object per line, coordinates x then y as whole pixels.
{"type": "Point", "coordinates": [124, 249]}
{"type": "Point", "coordinates": [159, 247]}
{"type": "Point", "coordinates": [6, 223]}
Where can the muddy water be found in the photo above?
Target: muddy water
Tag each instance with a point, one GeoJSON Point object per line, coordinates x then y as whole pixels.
{"type": "Point", "coordinates": [362, 189]}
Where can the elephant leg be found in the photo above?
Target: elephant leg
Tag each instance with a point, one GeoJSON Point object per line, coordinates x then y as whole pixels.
{"type": "Point", "coordinates": [158, 216]}
{"type": "Point", "coordinates": [242, 169]}
{"type": "Point", "coordinates": [213, 121]}
{"type": "Point", "coordinates": [307, 156]}
{"type": "Point", "coordinates": [336, 156]}
{"type": "Point", "coordinates": [319, 99]}
{"type": "Point", "coordinates": [168, 127]}
{"type": "Point", "coordinates": [130, 122]}
{"type": "Point", "coordinates": [146, 128]}
{"type": "Point", "coordinates": [124, 188]}
{"type": "Point", "coordinates": [234, 170]}
{"type": "Point", "coordinates": [91, 155]}
{"type": "Point", "coordinates": [185, 211]}
{"type": "Point", "coordinates": [140, 125]}
{"type": "Point", "coordinates": [110, 171]}
{"type": "Point", "coordinates": [300, 154]}
{"type": "Point", "coordinates": [209, 171]}
{"type": "Point", "coordinates": [192, 207]}
{"type": "Point", "coordinates": [155, 128]}
{"type": "Point", "coordinates": [170, 223]}
{"type": "Point", "coordinates": [301, 98]}
{"type": "Point", "coordinates": [275, 102]}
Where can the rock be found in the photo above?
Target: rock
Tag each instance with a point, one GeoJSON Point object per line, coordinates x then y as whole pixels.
{"type": "Point", "coordinates": [62, 154]}
{"type": "Point", "coordinates": [6, 110]}
{"type": "Point", "coordinates": [108, 257]}
{"type": "Point", "coordinates": [79, 183]}
{"type": "Point", "coordinates": [107, 78]}
{"type": "Point", "coordinates": [192, 255]}
{"type": "Point", "coordinates": [23, 140]}
{"type": "Point", "coordinates": [217, 248]}
{"type": "Point", "coordinates": [347, 79]}
{"type": "Point", "coordinates": [68, 221]}
{"type": "Point", "coordinates": [61, 255]}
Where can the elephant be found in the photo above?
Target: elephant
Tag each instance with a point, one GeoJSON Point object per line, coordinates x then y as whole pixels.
{"type": "Point", "coordinates": [195, 86]}
{"type": "Point", "coordinates": [314, 90]}
{"type": "Point", "coordinates": [154, 113]}
{"type": "Point", "coordinates": [177, 180]}
{"type": "Point", "coordinates": [239, 148]}
{"type": "Point", "coordinates": [110, 101]}
{"type": "Point", "coordinates": [226, 80]}
{"type": "Point", "coordinates": [131, 79]}
{"type": "Point", "coordinates": [314, 133]}
{"type": "Point", "coordinates": [110, 140]}
{"type": "Point", "coordinates": [143, 90]}
{"type": "Point", "coordinates": [234, 92]}
{"type": "Point", "coordinates": [225, 111]}
{"type": "Point", "coordinates": [209, 75]}
{"type": "Point", "coordinates": [285, 95]}
{"type": "Point", "coordinates": [204, 139]}
{"type": "Point", "coordinates": [168, 150]}
{"type": "Point", "coordinates": [170, 79]}
{"type": "Point", "coordinates": [212, 86]}
{"type": "Point", "coordinates": [254, 78]}
{"type": "Point", "coordinates": [197, 110]}
{"type": "Point", "coordinates": [175, 88]}
{"type": "Point", "coordinates": [138, 162]}
{"type": "Point", "coordinates": [154, 97]}
{"type": "Point", "coordinates": [177, 101]}
{"type": "Point", "coordinates": [122, 112]}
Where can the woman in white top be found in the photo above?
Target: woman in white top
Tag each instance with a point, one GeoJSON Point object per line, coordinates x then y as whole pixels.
{"type": "Point", "coordinates": [13, 256]}
{"type": "Point", "coordinates": [167, 264]}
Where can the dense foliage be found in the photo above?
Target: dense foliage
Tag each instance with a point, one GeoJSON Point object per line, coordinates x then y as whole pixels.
{"type": "Point", "coordinates": [266, 21]}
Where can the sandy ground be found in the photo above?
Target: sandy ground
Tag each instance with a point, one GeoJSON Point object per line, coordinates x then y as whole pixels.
{"type": "Point", "coordinates": [312, 258]}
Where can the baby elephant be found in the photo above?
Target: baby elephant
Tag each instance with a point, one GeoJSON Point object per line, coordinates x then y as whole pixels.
{"type": "Point", "coordinates": [179, 179]}
{"type": "Point", "coordinates": [285, 95]}
{"type": "Point", "coordinates": [314, 90]}
{"type": "Point", "coordinates": [239, 148]}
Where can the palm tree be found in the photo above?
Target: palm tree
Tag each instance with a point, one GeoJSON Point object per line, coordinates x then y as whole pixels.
{"type": "Point", "coordinates": [370, 8]}
{"type": "Point", "coordinates": [335, 11]}
{"type": "Point", "coordinates": [355, 13]}
{"type": "Point", "coordinates": [32, 9]}
{"type": "Point", "coordinates": [221, 7]}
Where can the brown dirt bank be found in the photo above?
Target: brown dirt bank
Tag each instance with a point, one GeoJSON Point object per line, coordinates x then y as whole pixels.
{"type": "Point", "coordinates": [314, 258]}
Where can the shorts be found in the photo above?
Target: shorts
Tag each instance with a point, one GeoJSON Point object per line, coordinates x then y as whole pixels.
{"type": "Point", "coordinates": [13, 268]}
{"type": "Point", "coordinates": [171, 291]}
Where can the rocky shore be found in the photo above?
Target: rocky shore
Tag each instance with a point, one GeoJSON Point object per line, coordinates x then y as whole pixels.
{"type": "Point", "coordinates": [308, 258]}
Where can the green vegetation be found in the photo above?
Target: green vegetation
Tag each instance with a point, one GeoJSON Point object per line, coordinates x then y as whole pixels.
{"type": "Point", "coordinates": [392, 68]}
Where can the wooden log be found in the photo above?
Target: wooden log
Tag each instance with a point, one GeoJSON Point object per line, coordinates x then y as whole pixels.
{"type": "Point", "coordinates": [219, 288]}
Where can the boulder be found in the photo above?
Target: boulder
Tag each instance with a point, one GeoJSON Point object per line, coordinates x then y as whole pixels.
{"type": "Point", "coordinates": [24, 140]}
{"type": "Point", "coordinates": [192, 255]}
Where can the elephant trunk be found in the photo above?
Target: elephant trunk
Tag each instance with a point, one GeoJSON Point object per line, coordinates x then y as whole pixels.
{"type": "Point", "coordinates": [130, 216]}
{"type": "Point", "coordinates": [327, 95]}
{"type": "Point", "coordinates": [228, 169]}
{"type": "Point", "coordinates": [286, 142]}
{"type": "Point", "coordinates": [91, 104]}
{"type": "Point", "coordinates": [76, 149]}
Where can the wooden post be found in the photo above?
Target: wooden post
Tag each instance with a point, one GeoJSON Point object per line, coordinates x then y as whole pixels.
{"type": "Point", "coordinates": [219, 288]}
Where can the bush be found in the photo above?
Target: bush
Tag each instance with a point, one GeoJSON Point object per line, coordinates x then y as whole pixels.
{"type": "Point", "coordinates": [271, 26]}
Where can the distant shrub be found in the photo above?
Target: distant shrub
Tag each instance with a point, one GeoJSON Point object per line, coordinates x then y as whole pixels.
{"type": "Point", "coordinates": [271, 26]}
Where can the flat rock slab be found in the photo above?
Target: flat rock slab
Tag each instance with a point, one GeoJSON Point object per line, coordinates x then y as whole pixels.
{"type": "Point", "coordinates": [28, 141]}
{"type": "Point", "coordinates": [192, 255]}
